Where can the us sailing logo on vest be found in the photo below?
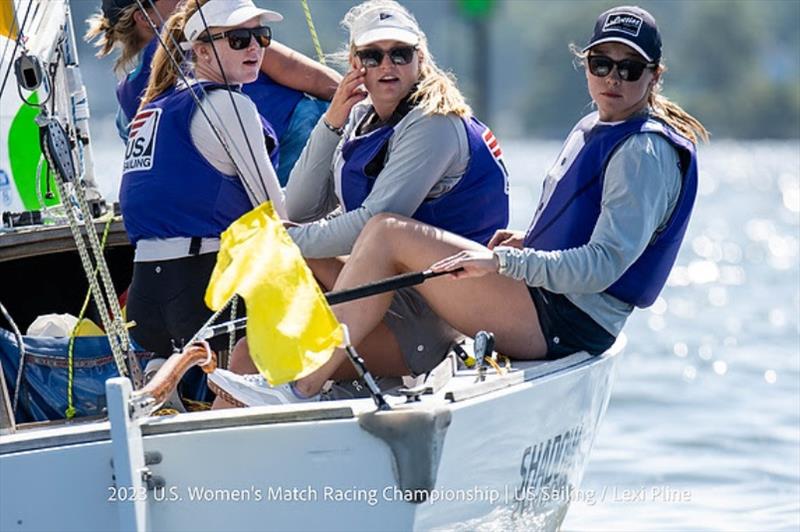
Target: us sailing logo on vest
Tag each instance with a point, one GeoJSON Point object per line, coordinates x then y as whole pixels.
{"type": "Point", "coordinates": [494, 148]}
{"type": "Point", "coordinates": [629, 24]}
{"type": "Point", "coordinates": [142, 141]}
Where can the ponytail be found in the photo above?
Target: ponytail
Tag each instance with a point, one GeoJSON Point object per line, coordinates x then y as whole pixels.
{"type": "Point", "coordinates": [674, 115]}
{"type": "Point", "coordinates": [436, 92]}
{"type": "Point", "coordinates": [122, 35]}
{"type": "Point", "coordinates": [164, 72]}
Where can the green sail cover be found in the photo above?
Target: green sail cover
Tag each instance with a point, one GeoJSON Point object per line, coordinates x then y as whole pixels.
{"type": "Point", "coordinates": [24, 153]}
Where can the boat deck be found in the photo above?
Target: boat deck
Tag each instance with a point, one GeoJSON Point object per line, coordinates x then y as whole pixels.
{"type": "Point", "coordinates": [445, 385]}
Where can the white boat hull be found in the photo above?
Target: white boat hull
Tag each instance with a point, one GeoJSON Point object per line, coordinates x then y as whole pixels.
{"type": "Point", "coordinates": [504, 453]}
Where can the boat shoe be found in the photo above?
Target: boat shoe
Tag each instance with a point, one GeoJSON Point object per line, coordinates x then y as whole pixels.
{"type": "Point", "coordinates": [252, 390]}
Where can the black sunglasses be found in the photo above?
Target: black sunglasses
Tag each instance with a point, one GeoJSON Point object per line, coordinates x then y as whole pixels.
{"type": "Point", "coordinates": [628, 69]}
{"type": "Point", "coordinates": [239, 39]}
{"type": "Point", "coordinates": [373, 57]}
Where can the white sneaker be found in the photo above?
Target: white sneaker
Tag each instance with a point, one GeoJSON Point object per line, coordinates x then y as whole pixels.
{"type": "Point", "coordinates": [252, 390]}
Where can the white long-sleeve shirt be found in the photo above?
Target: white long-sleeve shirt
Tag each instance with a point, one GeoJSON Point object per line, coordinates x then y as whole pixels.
{"type": "Point", "coordinates": [257, 174]}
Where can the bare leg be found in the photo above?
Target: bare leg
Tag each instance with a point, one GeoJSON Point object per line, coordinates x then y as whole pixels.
{"type": "Point", "coordinates": [326, 270]}
{"type": "Point", "coordinates": [390, 245]}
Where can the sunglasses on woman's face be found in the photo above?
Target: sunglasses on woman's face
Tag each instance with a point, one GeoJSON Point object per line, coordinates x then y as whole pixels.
{"type": "Point", "coordinates": [239, 39]}
{"type": "Point", "coordinates": [628, 69]}
{"type": "Point", "coordinates": [373, 57]}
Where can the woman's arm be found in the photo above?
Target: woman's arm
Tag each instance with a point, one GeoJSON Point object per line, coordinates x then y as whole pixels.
{"type": "Point", "coordinates": [255, 169]}
{"type": "Point", "coordinates": [641, 187]}
{"type": "Point", "coordinates": [296, 71]}
{"type": "Point", "coordinates": [310, 194]}
{"type": "Point", "coordinates": [420, 156]}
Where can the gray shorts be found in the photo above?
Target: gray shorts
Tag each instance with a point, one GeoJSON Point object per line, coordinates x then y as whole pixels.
{"type": "Point", "coordinates": [423, 336]}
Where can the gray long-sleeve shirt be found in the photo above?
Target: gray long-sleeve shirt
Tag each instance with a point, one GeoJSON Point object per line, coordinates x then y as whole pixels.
{"type": "Point", "coordinates": [640, 189]}
{"type": "Point", "coordinates": [426, 157]}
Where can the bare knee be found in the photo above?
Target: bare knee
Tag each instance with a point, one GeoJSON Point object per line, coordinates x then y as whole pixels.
{"type": "Point", "coordinates": [241, 362]}
{"type": "Point", "coordinates": [381, 232]}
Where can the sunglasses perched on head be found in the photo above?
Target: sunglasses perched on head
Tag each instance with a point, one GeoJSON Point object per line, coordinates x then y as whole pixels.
{"type": "Point", "coordinates": [239, 39]}
{"type": "Point", "coordinates": [373, 57]}
{"type": "Point", "coordinates": [628, 69]}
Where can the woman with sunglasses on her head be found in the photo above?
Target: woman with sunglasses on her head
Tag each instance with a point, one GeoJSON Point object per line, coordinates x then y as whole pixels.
{"type": "Point", "coordinates": [279, 91]}
{"type": "Point", "coordinates": [408, 144]}
{"type": "Point", "coordinates": [191, 169]}
{"type": "Point", "coordinates": [613, 213]}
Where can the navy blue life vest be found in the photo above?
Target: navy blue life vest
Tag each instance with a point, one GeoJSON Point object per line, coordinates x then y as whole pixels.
{"type": "Point", "coordinates": [131, 88]}
{"type": "Point", "coordinates": [571, 214]}
{"type": "Point", "coordinates": [475, 208]}
{"type": "Point", "coordinates": [275, 102]}
{"type": "Point", "coordinates": [168, 188]}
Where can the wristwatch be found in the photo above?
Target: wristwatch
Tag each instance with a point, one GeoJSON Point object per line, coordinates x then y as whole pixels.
{"type": "Point", "coordinates": [337, 130]}
{"type": "Point", "coordinates": [502, 260]}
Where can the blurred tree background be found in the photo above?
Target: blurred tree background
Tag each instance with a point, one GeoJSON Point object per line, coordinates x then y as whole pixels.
{"type": "Point", "coordinates": [735, 64]}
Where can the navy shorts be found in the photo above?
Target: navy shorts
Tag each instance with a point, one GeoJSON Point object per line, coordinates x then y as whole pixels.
{"type": "Point", "coordinates": [166, 302]}
{"type": "Point", "coordinates": [566, 328]}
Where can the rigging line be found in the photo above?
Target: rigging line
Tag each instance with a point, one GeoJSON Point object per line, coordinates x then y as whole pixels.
{"type": "Point", "coordinates": [17, 42]}
{"type": "Point", "coordinates": [14, 28]}
{"type": "Point", "coordinates": [233, 103]}
{"type": "Point", "coordinates": [196, 98]}
{"type": "Point", "coordinates": [213, 108]}
{"type": "Point", "coordinates": [313, 31]}
{"type": "Point", "coordinates": [202, 108]}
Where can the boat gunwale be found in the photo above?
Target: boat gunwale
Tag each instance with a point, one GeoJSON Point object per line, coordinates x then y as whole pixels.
{"type": "Point", "coordinates": [39, 438]}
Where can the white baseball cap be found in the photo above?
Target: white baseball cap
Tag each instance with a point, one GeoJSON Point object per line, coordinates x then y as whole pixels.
{"type": "Point", "coordinates": [224, 13]}
{"type": "Point", "coordinates": [384, 24]}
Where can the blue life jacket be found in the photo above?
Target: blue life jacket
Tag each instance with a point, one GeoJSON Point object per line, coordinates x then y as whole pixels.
{"type": "Point", "coordinates": [475, 208]}
{"type": "Point", "coordinates": [168, 188]}
{"type": "Point", "coordinates": [131, 88]}
{"type": "Point", "coordinates": [571, 214]}
{"type": "Point", "coordinates": [275, 102]}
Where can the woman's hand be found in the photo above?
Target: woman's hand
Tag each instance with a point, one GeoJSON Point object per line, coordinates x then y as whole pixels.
{"type": "Point", "coordinates": [508, 238]}
{"type": "Point", "coordinates": [346, 96]}
{"type": "Point", "coordinates": [472, 264]}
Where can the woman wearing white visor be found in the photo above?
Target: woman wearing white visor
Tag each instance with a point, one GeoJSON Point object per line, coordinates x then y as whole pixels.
{"type": "Point", "coordinates": [190, 170]}
{"type": "Point", "coordinates": [408, 145]}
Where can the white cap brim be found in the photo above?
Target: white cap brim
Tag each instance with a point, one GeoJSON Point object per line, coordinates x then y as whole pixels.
{"type": "Point", "coordinates": [621, 40]}
{"type": "Point", "coordinates": [221, 14]}
{"type": "Point", "coordinates": [387, 34]}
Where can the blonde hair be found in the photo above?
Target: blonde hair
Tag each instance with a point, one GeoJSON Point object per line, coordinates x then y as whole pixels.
{"type": "Point", "coordinates": [165, 71]}
{"type": "Point", "coordinates": [436, 91]}
{"type": "Point", "coordinates": [662, 107]}
{"type": "Point", "coordinates": [122, 35]}
{"type": "Point", "coordinates": [673, 114]}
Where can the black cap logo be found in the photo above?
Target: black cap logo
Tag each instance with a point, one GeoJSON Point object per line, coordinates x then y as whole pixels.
{"type": "Point", "coordinates": [384, 16]}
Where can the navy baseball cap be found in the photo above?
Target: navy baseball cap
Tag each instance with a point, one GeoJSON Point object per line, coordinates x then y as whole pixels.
{"type": "Point", "coordinates": [112, 9]}
{"type": "Point", "coordinates": [630, 25]}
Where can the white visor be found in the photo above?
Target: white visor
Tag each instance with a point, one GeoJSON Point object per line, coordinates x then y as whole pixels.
{"type": "Point", "coordinates": [224, 13]}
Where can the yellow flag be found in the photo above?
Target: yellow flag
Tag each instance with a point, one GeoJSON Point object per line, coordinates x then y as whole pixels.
{"type": "Point", "coordinates": [291, 330]}
{"type": "Point", "coordinates": [8, 24]}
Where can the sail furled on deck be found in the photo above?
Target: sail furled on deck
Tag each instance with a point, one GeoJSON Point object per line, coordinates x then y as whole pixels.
{"type": "Point", "coordinates": [291, 330]}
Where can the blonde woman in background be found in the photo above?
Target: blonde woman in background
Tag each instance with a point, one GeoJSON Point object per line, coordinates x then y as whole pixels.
{"type": "Point", "coordinates": [398, 138]}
